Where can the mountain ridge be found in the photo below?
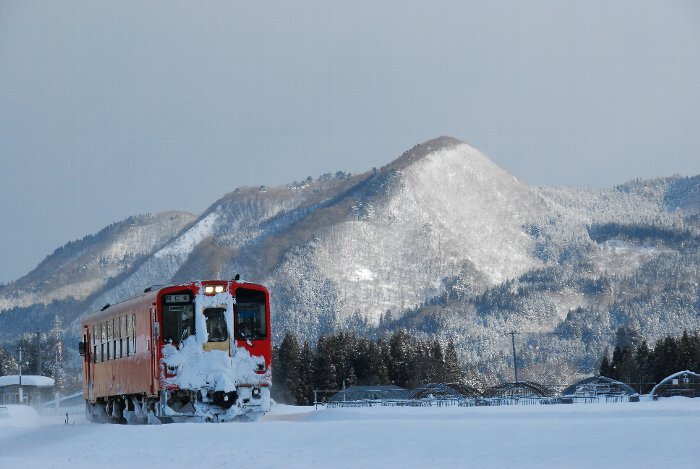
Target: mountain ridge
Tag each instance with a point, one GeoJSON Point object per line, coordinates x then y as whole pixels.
{"type": "Point", "coordinates": [440, 239]}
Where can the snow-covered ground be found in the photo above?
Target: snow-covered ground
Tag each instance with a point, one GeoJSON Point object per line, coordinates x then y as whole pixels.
{"type": "Point", "coordinates": [645, 434]}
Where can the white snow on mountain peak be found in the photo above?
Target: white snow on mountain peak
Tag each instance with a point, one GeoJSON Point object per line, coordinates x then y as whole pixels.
{"type": "Point", "coordinates": [452, 207]}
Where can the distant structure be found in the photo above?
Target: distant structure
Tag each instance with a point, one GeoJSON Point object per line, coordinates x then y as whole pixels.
{"type": "Point", "coordinates": [26, 389]}
{"type": "Point", "coordinates": [435, 391]}
{"type": "Point", "coordinates": [519, 390]}
{"type": "Point", "coordinates": [598, 388]}
{"type": "Point", "coordinates": [683, 383]}
{"type": "Point", "coordinates": [369, 394]}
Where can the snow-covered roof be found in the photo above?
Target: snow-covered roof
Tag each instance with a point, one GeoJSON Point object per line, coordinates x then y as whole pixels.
{"type": "Point", "coordinates": [598, 386]}
{"type": "Point", "coordinates": [359, 393]}
{"type": "Point", "coordinates": [28, 380]}
{"type": "Point", "coordinates": [669, 379]}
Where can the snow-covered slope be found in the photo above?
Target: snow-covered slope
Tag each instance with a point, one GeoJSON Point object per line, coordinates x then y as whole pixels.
{"type": "Point", "coordinates": [450, 209]}
{"type": "Point", "coordinates": [365, 244]}
{"type": "Point", "coordinates": [81, 268]}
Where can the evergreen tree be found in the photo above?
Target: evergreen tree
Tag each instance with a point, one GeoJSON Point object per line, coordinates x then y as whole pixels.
{"type": "Point", "coordinates": [616, 364]}
{"type": "Point", "coordinates": [421, 365]}
{"type": "Point", "coordinates": [687, 353]}
{"type": "Point", "coordinates": [453, 370]}
{"type": "Point", "coordinates": [361, 360]}
{"type": "Point", "coordinates": [666, 358]}
{"type": "Point", "coordinates": [351, 379]}
{"type": "Point", "coordinates": [305, 392]}
{"type": "Point", "coordinates": [287, 370]}
{"type": "Point", "coordinates": [8, 364]}
{"type": "Point", "coordinates": [438, 374]}
{"type": "Point", "coordinates": [643, 373]}
{"type": "Point", "coordinates": [325, 377]}
{"type": "Point", "coordinates": [628, 365]}
{"type": "Point", "coordinates": [605, 366]}
{"type": "Point", "coordinates": [378, 372]}
{"type": "Point", "coordinates": [400, 358]}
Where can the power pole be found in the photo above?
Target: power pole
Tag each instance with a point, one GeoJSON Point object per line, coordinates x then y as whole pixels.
{"type": "Point", "coordinates": [515, 363]}
{"type": "Point", "coordinates": [21, 397]}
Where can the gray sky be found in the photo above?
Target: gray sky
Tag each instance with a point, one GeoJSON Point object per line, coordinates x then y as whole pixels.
{"type": "Point", "coordinates": [109, 109]}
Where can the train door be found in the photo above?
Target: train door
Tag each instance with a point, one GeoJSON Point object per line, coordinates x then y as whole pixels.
{"type": "Point", "coordinates": [88, 369]}
{"type": "Point", "coordinates": [154, 340]}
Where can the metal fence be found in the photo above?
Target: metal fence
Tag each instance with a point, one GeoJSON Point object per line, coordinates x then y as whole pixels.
{"type": "Point", "coordinates": [481, 401]}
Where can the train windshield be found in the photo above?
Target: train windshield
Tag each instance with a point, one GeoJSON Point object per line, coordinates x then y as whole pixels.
{"type": "Point", "coordinates": [216, 324]}
{"type": "Point", "coordinates": [178, 317]}
{"type": "Point", "coordinates": [250, 316]}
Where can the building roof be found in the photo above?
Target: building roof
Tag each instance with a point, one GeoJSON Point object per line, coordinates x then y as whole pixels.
{"type": "Point", "coordinates": [379, 392]}
{"type": "Point", "coordinates": [598, 386]}
{"type": "Point", "coordinates": [27, 380]}
{"type": "Point", "coordinates": [434, 391]}
{"type": "Point", "coordinates": [521, 389]}
{"type": "Point", "coordinates": [690, 380]}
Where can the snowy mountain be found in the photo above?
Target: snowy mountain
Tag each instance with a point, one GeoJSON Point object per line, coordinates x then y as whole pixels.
{"type": "Point", "coordinates": [441, 240]}
{"type": "Point", "coordinates": [82, 268]}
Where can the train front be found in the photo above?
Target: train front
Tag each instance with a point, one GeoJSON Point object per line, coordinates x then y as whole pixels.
{"type": "Point", "coordinates": [216, 351]}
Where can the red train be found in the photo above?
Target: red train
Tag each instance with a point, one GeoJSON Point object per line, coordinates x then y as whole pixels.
{"type": "Point", "coordinates": [196, 351]}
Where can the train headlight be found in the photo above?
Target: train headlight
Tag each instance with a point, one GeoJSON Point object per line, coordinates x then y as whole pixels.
{"type": "Point", "coordinates": [212, 289]}
{"type": "Point", "coordinates": [256, 393]}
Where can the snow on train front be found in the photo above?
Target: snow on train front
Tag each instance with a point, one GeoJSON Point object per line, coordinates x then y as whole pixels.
{"type": "Point", "coordinates": [216, 352]}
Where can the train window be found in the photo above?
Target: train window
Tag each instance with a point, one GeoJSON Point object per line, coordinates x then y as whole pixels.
{"type": "Point", "coordinates": [94, 343]}
{"type": "Point", "coordinates": [178, 317]}
{"type": "Point", "coordinates": [216, 324]}
{"type": "Point", "coordinates": [115, 335]}
{"type": "Point", "coordinates": [120, 335]}
{"type": "Point", "coordinates": [133, 333]}
{"type": "Point", "coordinates": [128, 332]}
{"type": "Point", "coordinates": [250, 319]}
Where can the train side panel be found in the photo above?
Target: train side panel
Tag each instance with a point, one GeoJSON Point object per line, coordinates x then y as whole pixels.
{"type": "Point", "coordinates": [118, 363]}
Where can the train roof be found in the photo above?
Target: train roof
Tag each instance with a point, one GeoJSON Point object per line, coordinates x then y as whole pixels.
{"type": "Point", "coordinates": [152, 293]}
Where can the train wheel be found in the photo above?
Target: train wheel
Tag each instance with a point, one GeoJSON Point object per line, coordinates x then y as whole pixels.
{"type": "Point", "coordinates": [96, 413]}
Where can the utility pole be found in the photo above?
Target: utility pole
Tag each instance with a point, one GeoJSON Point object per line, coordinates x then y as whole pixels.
{"type": "Point", "coordinates": [21, 397]}
{"type": "Point", "coordinates": [515, 363]}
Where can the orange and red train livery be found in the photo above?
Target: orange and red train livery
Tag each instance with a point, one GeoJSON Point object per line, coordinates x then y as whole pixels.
{"type": "Point", "coordinates": [195, 351]}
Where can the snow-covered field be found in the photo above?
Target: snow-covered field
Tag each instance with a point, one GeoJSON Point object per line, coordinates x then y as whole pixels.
{"type": "Point", "coordinates": [645, 434]}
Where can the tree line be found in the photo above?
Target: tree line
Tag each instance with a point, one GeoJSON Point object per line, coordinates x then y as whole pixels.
{"type": "Point", "coordinates": [344, 359]}
{"type": "Point", "coordinates": [642, 367]}
{"type": "Point", "coordinates": [44, 354]}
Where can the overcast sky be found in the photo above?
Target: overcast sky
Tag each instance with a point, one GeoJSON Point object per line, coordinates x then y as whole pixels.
{"type": "Point", "coordinates": [109, 109]}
